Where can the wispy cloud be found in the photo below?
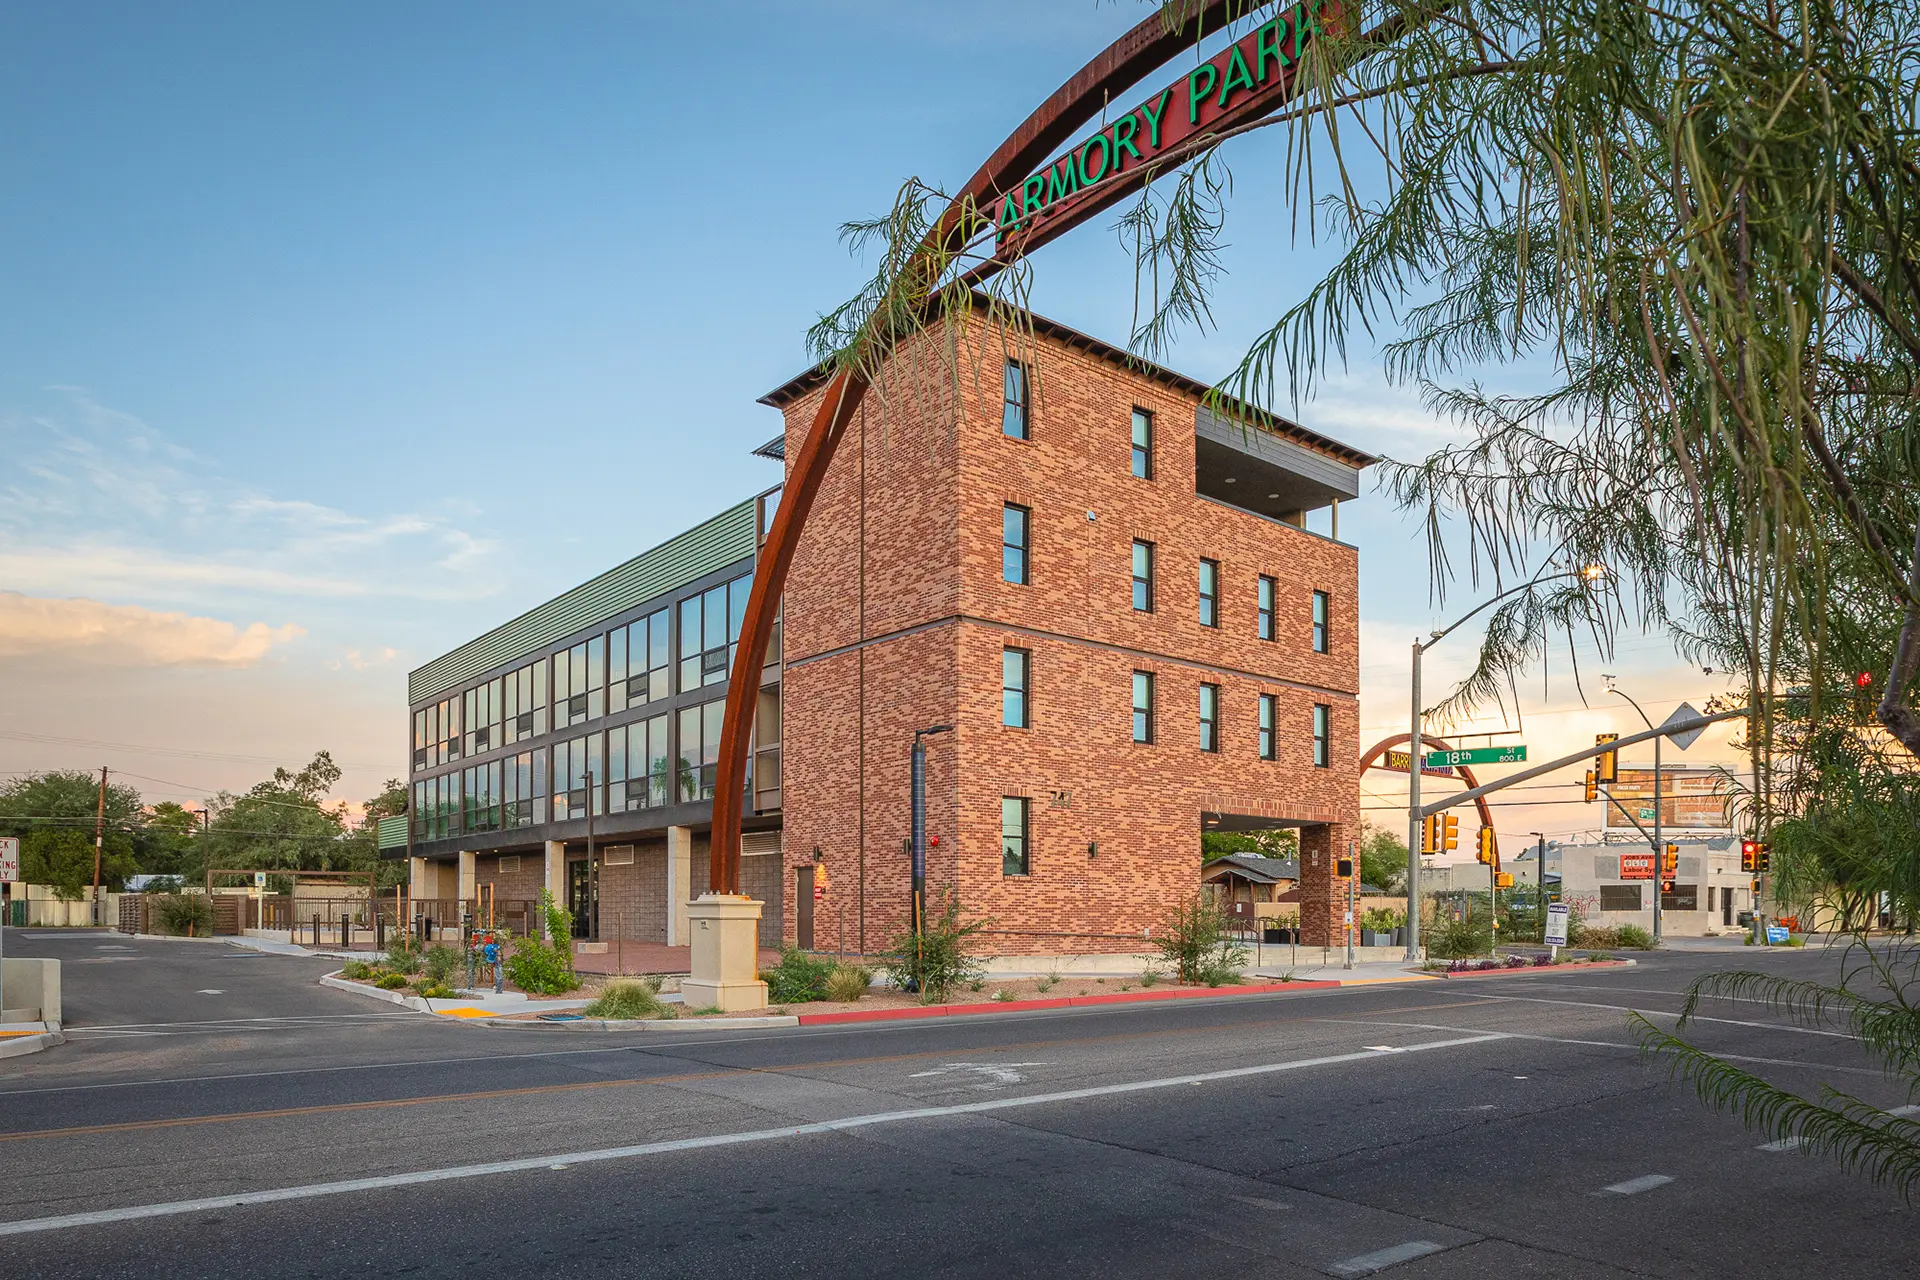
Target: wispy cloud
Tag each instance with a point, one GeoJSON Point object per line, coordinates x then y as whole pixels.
{"type": "Point", "coordinates": [127, 635]}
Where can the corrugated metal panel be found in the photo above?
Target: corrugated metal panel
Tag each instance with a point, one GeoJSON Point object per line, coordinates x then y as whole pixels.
{"type": "Point", "coordinates": [701, 550]}
{"type": "Point", "coordinates": [393, 833]}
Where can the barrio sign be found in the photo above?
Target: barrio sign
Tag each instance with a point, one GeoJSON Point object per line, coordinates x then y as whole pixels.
{"type": "Point", "coordinates": [1176, 114]}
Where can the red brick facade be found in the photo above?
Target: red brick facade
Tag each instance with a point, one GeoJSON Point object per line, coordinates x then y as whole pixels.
{"type": "Point", "coordinates": [896, 616]}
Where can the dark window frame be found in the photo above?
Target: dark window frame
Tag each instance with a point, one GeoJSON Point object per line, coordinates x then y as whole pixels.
{"type": "Point", "coordinates": [1142, 590]}
{"type": "Point", "coordinates": [1023, 691]}
{"type": "Point", "coordinates": [1024, 547]}
{"type": "Point", "coordinates": [1209, 587]}
{"type": "Point", "coordinates": [1264, 597]}
{"type": "Point", "coordinates": [1209, 717]}
{"type": "Point", "coordinates": [1322, 735]}
{"type": "Point", "coordinates": [1322, 622]}
{"type": "Point", "coordinates": [1020, 864]}
{"type": "Point", "coordinates": [1016, 402]}
{"type": "Point", "coordinates": [1269, 726]}
{"type": "Point", "coordinates": [1143, 715]}
{"type": "Point", "coordinates": [1141, 459]}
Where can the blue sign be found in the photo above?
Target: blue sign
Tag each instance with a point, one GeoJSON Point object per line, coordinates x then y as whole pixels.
{"type": "Point", "coordinates": [1777, 935]}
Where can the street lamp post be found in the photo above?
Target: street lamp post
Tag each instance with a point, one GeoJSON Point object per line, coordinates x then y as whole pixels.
{"type": "Point", "coordinates": [1587, 573]}
{"type": "Point", "coordinates": [1659, 846]}
{"type": "Point", "coordinates": [918, 907]}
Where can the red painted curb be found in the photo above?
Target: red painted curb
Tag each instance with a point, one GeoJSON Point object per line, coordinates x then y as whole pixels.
{"type": "Point", "coordinates": [1056, 1002]}
{"type": "Point", "coordinates": [1551, 968]}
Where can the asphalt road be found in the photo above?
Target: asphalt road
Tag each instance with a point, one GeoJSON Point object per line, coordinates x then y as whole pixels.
{"type": "Point", "coordinates": [1482, 1128]}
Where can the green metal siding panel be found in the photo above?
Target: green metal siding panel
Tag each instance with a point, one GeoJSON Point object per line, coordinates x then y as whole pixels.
{"type": "Point", "coordinates": [703, 549]}
{"type": "Point", "coordinates": [393, 833]}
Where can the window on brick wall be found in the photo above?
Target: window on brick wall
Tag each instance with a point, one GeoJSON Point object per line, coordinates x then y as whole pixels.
{"type": "Point", "coordinates": [1209, 593]}
{"type": "Point", "coordinates": [1321, 607]}
{"type": "Point", "coordinates": [1143, 706]}
{"type": "Point", "coordinates": [1269, 710]}
{"type": "Point", "coordinates": [1209, 717]}
{"type": "Point", "coordinates": [1143, 444]}
{"type": "Point", "coordinates": [1322, 735]}
{"type": "Point", "coordinates": [1015, 857]}
{"type": "Point", "coordinates": [1016, 671]}
{"type": "Point", "coordinates": [1265, 630]}
{"type": "Point", "coordinates": [1143, 576]}
{"type": "Point", "coordinates": [1013, 542]}
{"type": "Point", "coordinates": [1015, 401]}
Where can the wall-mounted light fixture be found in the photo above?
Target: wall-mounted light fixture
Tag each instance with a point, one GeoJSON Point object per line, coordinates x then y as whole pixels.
{"type": "Point", "coordinates": [1093, 848]}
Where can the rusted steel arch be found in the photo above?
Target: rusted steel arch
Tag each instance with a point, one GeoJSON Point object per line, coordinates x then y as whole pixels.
{"type": "Point", "coordinates": [1149, 45]}
{"type": "Point", "coordinates": [1372, 755]}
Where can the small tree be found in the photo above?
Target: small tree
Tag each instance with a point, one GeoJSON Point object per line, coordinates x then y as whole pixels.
{"type": "Point", "coordinates": [939, 958]}
{"type": "Point", "coordinates": [1193, 939]}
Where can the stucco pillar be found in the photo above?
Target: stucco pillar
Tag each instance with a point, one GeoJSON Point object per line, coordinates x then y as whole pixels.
{"type": "Point", "coordinates": [725, 932]}
{"type": "Point", "coordinates": [679, 883]}
{"type": "Point", "coordinates": [556, 871]}
{"type": "Point", "coordinates": [467, 877]}
{"type": "Point", "coordinates": [421, 881]}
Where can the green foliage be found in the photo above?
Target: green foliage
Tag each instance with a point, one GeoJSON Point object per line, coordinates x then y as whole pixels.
{"type": "Point", "coordinates": [1633, 938]}
{"type": "Point", "coordinates": [54, 815]}
{"type": "Point", "coordinates": [628, 998]}
{"type": "Point", "coordinates": [391, 981]}
{"type": "Point", "coordinates": [1382, 919]}
{"type": "Point", "coordinates": [798, 978]}
{"type": "Point", "coordinates": [933, 964]}
{"type": "Point", "coordinates": [435, 990]}
{"type": "Point", "coordinates": [183, 914]}
{"type": "Point", "coordinates": [1151, 975]}
{"type": "Point", "coordinates": [439, 964]}
{"type": "Point", "coordinates": [355, 970]}
{"type": "Point", "coordinates": [559, 923]}
{"type": "Point", "coordinates": [1281, 843]}
{"type": "Point", "coordinates": [1450, 939]}
{"type": "Point", "coordinates": [538, 967]}
{"type": "Point", "coordinates": [402, 955]}
{"type": "Point", "coordinates": [1193, 938]}
{"type": "Point", "coordinates": [1383, 859]}
{"type": "Point", "coordinates": [848, 982]}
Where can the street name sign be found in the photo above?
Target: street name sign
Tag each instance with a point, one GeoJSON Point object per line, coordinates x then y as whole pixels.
{"type": "Point", "coordinates": [1400, 762]}
{"type": "Point", "coordinates": [1477, 755]}
{"type": "Point", "coordinates": [1557, 919]}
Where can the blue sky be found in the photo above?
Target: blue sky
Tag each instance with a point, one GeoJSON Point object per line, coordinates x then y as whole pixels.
{"type": "Point", "coordinates": [337, 334]}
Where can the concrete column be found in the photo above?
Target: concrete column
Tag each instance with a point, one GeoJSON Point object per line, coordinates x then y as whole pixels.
{"type": "Point", "coordinates": [556, 880]}
{"type": "Point", "coordinates": [467, 887]}
{"type": "Point", "coordinates": [679, 884]}
{"type": "Point", "coordinates": [725, 932]}
{"type": "Point", "coordinates": [421, 882]}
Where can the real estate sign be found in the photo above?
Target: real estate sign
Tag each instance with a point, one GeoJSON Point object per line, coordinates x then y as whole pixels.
{"type": "Point", "coordinates": [9, 858]}
{"type": "Point", "coordinates": [1558, 914]}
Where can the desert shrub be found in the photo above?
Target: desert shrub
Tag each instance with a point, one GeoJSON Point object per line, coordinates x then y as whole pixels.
{"type": "Point", "coordinates": [848, 982]}
{"type": "Point", "coordinates": [184, 914]}
{"type": "Point", "coordinates": [1586, 936]}
{"type": "Point", "coordinates": [1634, 938]}
{"type": "Point", "coordinates": [799, 977]}
{"type": "Point", "coordinates": [436, 991]}
{"type": "Point", "coordinates": [391, 981]}
{"type": "Point", "coordinates": [1382, 919]}
{"type": "Point", "coordinates": [627, 998]}
{"type": "Point", "coordinates": [1452, 939]}
{"type": "Point", "coordinates": [1601, 955]}
{"type": "Point", "coordinates": [1517, 962]}
{"type": "Point", "coordinates": [539, 967]}
{"type": "Point", "coordinates": [1542, 960]}
{"type": "Point", "coordinates": [941, 958]}
{"type": "Point", "coordinates": [1150, 975]}
{"type": "Point", "coordinates": [1221, 968]}
{"type": "Point", "coordinates": [355, 969]}
{"type": "Point", "coordinates": [402, 955]}
{"type": "Point", "coordinates": [1193, 938]}
{"type": "Point", "coordinates": [440, 963]}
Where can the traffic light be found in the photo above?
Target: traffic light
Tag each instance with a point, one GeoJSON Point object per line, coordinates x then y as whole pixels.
{"type": "Point", "coordinates": [1763, 857]}
{"type": "Point", "coordinates": [1430, 834]}
{"type": "Point", "coordinates": [1670, 861]}
{"type": "Point", "coordinates": [1489, 853]}
{"type": "Point", "coordinates": [1607, 767]}
{"type": "Point", "coordinates": [1343, 867]}
{"type": "Point", "coordinates": [1504, 880]}
{"type": "Point", "coordinates": [1452, 833]}
{"type": "Point", "coordinates": [1749, 856]}
{"type": "Point", "coordinates": [1593, 786]}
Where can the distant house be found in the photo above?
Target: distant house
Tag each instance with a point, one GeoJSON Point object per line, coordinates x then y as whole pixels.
{"type": "Point", "coordinates": [1250, 877]}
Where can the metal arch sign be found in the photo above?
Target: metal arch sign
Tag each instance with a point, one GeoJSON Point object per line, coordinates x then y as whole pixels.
{"type": "Point", "coordinates": [1196, 104]}
{"type": "Point", "coordinates": [1206, 102]}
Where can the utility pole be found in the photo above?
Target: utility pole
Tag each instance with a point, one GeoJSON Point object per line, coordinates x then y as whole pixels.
{"type": "Point", "coordinates": [1413, 812]}
{"type": "Point", "coordinates": [918, 828]}
{"type": "Point", "coordinates": [99, 842]}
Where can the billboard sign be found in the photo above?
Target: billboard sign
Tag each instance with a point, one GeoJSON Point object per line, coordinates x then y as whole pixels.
{"type": "Point", "coordinates": [1636, 866]}
{"type": "Point", "coordinates": [1690, 799]}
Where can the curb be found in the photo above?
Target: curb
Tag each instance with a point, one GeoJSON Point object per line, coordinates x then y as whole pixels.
{"type": "Point", "coordinates": [1057, 1002]}
{"type": "Point", "coordinates": [18, 1046]}
{"type": "Point", "coordinates": [641, 1024]}
{"type": "Point", "coordinates": [1530, 969]}
{"type": "Point", "coordinates": [338, 983]}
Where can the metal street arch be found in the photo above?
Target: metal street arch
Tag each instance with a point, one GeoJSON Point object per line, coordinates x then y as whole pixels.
{"type": "Point", "coordinates": [1028, 205]}
{"type": "Point", "coordinates": [1371, 757]}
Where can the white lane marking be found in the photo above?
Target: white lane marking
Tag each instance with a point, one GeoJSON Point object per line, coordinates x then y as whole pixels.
{"type": "Point", "coordinates": [1379, 1048]}
{"type": "Point", "coordinates": [209, 991]}
{"type": "Point", "coordinates": [1785, 1144]}
{"type": "Point", "coordinates": [131, 1213]}
{"type": "Point", "coordinates": [1379, 1260]}
{"type": "Point", "coordinates": [1634, 1186]}
{"type": "Point", "coordinates": [996, 1073]}
{"type": "Point", "coordinates": [1905, 1111]}
{"type": "Point", "coordinates": [1662, 1013]}
{"type": "Point", "coordinates": [229, 1022]}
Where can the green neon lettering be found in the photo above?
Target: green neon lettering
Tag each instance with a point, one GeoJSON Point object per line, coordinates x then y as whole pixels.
{"type": "Point", "coordinates": [1030, 195]}
{"type": "Point", "coordinates": [1267, 45]}
{"type": "Point", "coordinates": [1106, 159]}
{"type": "Point", "coordinates": [1305, 24]}
{"type": "Point", "coordinates": [1009, 215]}
{"type": "Point", "coordinates": [1237, 77]}
{"type": "Point", "coordinates": [1151, 111]}
{"type": "Point", "coordinates": [1063, 179]}
{"type": "Point", "coordinates": [1122, 135]}
{"type": "Point", "coordinates": [1195, 94]}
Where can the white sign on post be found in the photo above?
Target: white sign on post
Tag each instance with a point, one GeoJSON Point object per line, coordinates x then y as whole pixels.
{"type": "Point", "coordinates": [9, 858]}
{"type": "Point", "coordinates": [1557, 914]}
{"type": "Point", "coordinates": [259, 879]}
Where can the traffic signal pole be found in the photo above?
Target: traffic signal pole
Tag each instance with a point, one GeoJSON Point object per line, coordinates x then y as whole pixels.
{"type": "Point", "coordinates": [1414, 816]}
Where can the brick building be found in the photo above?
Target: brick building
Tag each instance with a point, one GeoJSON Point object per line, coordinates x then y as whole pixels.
{"type": "Point", "coordinates": [1106, 592]}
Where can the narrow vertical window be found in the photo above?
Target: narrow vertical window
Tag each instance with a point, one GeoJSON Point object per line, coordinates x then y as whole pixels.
{"type": "Point", "coordinates": [1268, 750]}
{"type": "Point", "coordinates": [1016, 665]}
{"type": "Point", "coordinates": [1143, 576]}
{"type": "Point", "coordinates": [1143, 444]}
{"type": "Point", "coordinates": [1209, 717]}
{"type": "Point", "coordinates": [1013, 836]}
{"type": "Point", "coordinates": [1266, 607]}
{"type": "Point", "coordinates": [1013, 413]}
{"type": "Point", "coordinates": [1013, 543]}
{"type": "Point", "coordinates": [1322, 743]}
{"type": "Point", "coordinates": [1209, 593]}
{"type": "Point", "coordinates": [1143, 706]}
{"type": "Point", "coordinates": [1320, 622]}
